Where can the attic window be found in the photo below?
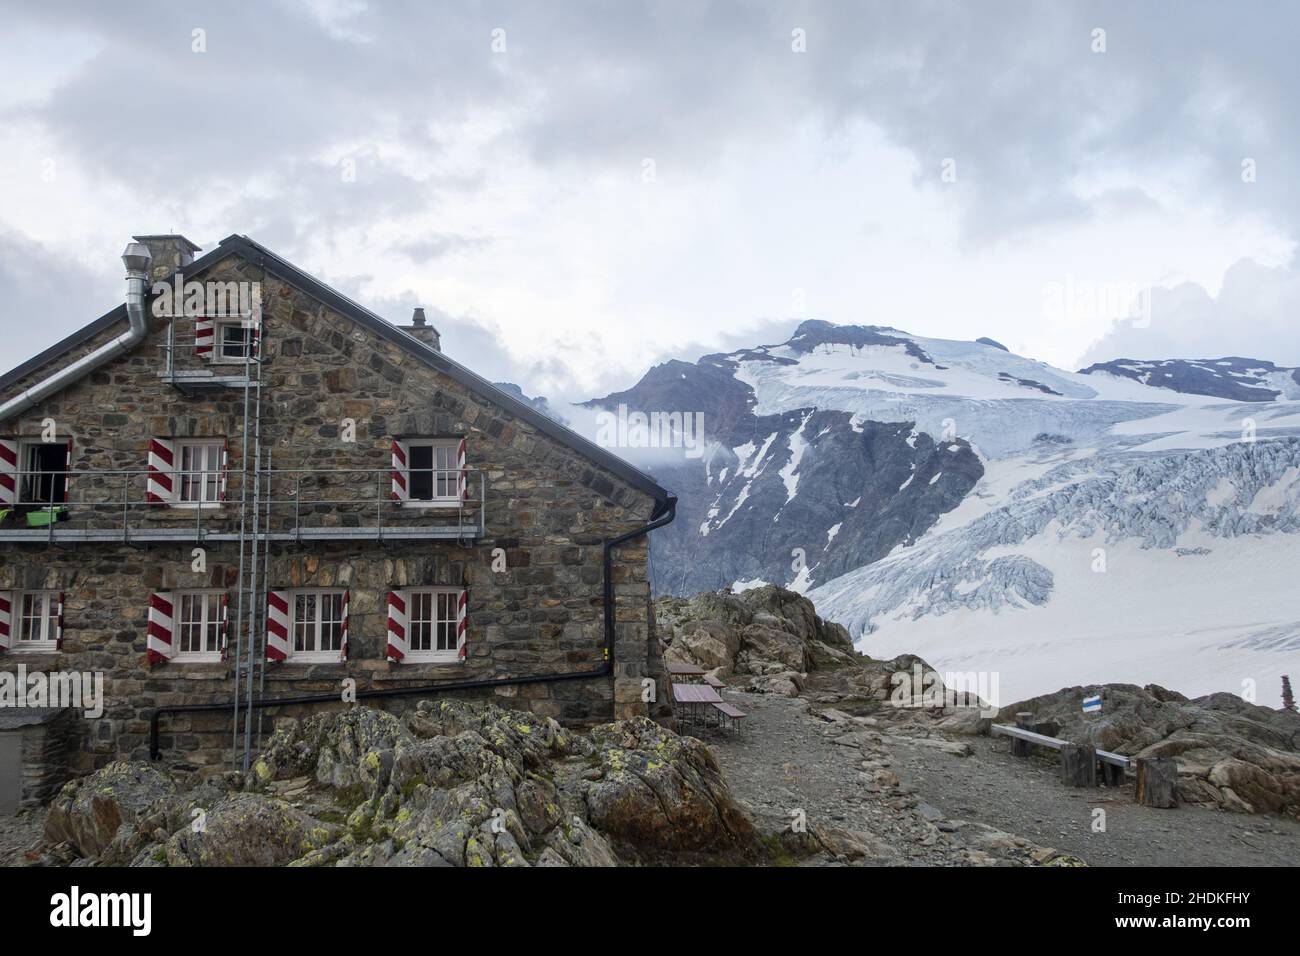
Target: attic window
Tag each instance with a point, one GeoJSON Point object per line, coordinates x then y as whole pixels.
{"type": "Point", "coordinates": [235, 342]}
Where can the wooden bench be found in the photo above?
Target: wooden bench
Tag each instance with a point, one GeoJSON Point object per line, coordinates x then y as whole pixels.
{"type": "Point", "coordinates": [1078, 768]}
{"type": "Point", "coordinates": [713, 682]}
{"type": "Point", "coordinates": [730, 713]}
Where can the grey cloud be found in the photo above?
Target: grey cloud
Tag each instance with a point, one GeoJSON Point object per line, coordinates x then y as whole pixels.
{"type": "Point", "coordinates": [1256, 305]}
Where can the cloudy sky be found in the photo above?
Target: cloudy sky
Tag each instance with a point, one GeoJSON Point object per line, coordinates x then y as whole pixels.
{"type": "Point", "coordinates": [578, 190]}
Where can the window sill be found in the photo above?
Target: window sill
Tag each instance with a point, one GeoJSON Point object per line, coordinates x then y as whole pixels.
{"type": "Point", "coordinates": [416, 670]}
{"type": "Point", "coordinates": [198, 506]}
{"type": "Point", "coordinates": [34, 650]}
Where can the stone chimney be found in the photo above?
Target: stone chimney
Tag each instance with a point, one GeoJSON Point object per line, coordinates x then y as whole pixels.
{"type": "Point", "coordinates": [170, 255]}
{"type": "Point", "coordinates": [422, 330]}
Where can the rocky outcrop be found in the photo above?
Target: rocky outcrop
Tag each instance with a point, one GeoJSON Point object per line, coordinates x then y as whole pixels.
{"type": "Point", "coordinates": [449, 784]}
{"type": "Point", "coordinates": [1230, 753]}
{"type": "Point", "coordinates": [770, 640]}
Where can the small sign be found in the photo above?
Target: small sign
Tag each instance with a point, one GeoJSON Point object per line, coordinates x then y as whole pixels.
{"type": "Point", "coordinates": [1092, 705]}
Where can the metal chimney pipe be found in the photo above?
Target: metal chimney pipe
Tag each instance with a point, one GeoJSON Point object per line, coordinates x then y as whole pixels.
{"type": "Point", "coordinates": [136, 258]}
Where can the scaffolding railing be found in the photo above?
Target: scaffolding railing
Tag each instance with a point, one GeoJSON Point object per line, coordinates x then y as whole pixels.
{"type": "Point", "coordinates": [297, 504]}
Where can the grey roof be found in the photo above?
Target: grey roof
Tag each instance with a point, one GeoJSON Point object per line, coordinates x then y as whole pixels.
{"type": "Point", "coordinates": [274, 264]}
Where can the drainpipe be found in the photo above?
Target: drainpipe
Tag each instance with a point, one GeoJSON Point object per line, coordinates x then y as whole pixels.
{"type": "Point", "coordinates": [136, 258]}
{"type": "Point", "coordinates": [664, 514]}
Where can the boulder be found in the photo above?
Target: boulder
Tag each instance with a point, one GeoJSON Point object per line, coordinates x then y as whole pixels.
{"type": "Point", "coordinates": [87, 813]}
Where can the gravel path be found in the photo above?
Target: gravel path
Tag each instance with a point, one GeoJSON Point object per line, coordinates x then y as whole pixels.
{"type": "Point", "coordinates": [947, 809]}
{"type": "Point", "coordinates": [1028, 798]}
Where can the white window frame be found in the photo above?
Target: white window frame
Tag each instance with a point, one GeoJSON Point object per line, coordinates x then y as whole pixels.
{"type": "Point", "coordinates": [49, 622]}
{"type": "Point", "coordinates": [219, 355]}
{"type": "Point", "coordinates": [209, 619]}
{"type": "Point", "coordinates": [416, 620]}
{"type": "Point", "coordinates": [315, 626]}
{"type": "Point", "coordinates": [450, 500]}
{"type": "Point", "coordinates": [213, 447]}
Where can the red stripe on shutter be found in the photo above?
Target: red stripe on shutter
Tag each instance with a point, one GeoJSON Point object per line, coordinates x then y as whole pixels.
{"type": "Point", "coordinates": [204, 336]}
{"type": "Point", "coordinates": [464, 475]}
{"type": "Point", "coordinates": [161, 623]}
{"type": "Point", "coordinates": [277, 626]}
{"type": "Point", "coordinates": [400, 471]}
{"type": "Point", "coordinates": [397, 623]}
{"type": "Point", "coordinates": [162, 466]}
{"type": "Point", "coordinates": [462, 606]}
{"type": "Point", "coordinates": [6, 619]}
{"type": "Point", "coordinates": [58, 623]}
{"type": "Point", "coordinates": [8, 472]}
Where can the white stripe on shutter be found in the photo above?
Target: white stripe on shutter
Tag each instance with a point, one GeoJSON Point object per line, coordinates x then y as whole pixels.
{"type": "Point", "coordinates": [401, 473]}
{"type": "Point", "coordinates": [225, 470]}
{"type": "Point", "coordinates": [462, 606]}
{"type": "Point", "coordinates": [343, 648]}
{"type": "Point", "coordinates": [162, 617]}
{"type": "Point", "coordinates": [8, 472]}
{"type": "Point", "coordinates": [277, 625]}
{"type": "Point", "coordinates": [204, 337]}
{"type": "Point", "coordinates": [161, 486]}
{"type": "Point", "coordinates": [58, 625]}
{"type": "Point", "coordinates": [464, 476]}
{"type": "Point", "coordinates": [6, 619]}
{"type": "Point", "coordinates": [67, 468]}
{"type": "Point", "coordinates": [399, 621]}
{"type": "Point", "coordinates": [225, 624]}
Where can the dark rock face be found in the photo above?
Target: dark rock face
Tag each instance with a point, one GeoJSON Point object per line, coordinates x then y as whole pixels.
{"type": "Point", "coordinates": [1230, 753]}
{"type": "Point", "coordinates": [984, 340]}
{"type": "Point", "coordinates": [796, 497]}
{"type": "Point", "coordinates": [1233, 378]}
{"type": "Point", "coordinates": [540, 403]}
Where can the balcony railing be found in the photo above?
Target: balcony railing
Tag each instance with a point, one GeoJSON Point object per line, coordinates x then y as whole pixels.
{"type": "Point", "coordinates": [301, 504]}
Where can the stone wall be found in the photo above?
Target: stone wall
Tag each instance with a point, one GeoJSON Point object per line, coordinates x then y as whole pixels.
{"type": "Point", "coordinates": [548, 507]}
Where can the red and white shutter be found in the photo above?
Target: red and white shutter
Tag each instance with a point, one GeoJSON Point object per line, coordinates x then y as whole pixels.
{"type": "Point", "coordinates": [255, 337]}
{"type": "Point", "coordinates": [464, 475]}
{"type": "Point", "coordinates": [401, 471]}
{"type": "Point", "coordinates": [223, 629]}
{"type": "Point", "coordinates": [225, 470]}
{"type": "Point", "coordinates": [399, 620]}
{"type": "Point", "coordinates": [67, 471]}
{"type": "Point", "coordinates": [162, 625]}
{"type": "Point", "coordinates": [204, 337]}
{"type": "Point", "coordinates": [277, 625]}
{"type": "Point", "coordinates": [58, 624]}
{"type": "Point", "coordinates": [462, 606]}
{"type": "Point", "coordinates": [161, 486]}
{"type": "Point", "coordinates": [347, 604]}
{"type": "Point", "coordinates": [8, 472]}
{"type": "Point", "coordinates": [6, 620]}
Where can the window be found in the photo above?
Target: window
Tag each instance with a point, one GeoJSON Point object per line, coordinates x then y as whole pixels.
{"type": "Point", "coordinates": [198, 625]}
{"type": "Point", "coordinates": [435, 470]}
{"type": "Point", "coordinates": [235, 342]}
{"type": "Point", "coordinates": [318, 624]}
{"type": "Point", "coordinates": [44, 467]}
{"type": "Point", "coordinates": [38, 613]}
{"type": "Point", "coordinates": [200, 476]}
{"type": "Point", "coordinates": [432, 629]}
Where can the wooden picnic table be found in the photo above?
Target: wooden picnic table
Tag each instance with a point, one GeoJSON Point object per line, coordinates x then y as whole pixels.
{"type": "Point", "coordinates": [695, 694]}
{"type": "Point", "coordinates": [684, 670]}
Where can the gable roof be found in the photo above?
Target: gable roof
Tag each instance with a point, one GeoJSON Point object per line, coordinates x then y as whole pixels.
{"type": "Point", "coordinates": [274, 264]}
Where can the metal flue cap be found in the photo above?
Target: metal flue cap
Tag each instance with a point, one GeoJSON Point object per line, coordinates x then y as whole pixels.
{"type": "Point", "coordinates": [137, 257]}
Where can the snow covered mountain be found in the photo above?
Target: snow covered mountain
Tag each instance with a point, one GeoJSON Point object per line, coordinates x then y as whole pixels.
{"type": "Point", "coordinates": [993, 513]}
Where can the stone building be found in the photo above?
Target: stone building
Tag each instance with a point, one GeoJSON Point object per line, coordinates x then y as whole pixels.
{"type": "Point", "coordinates": [241, 487]}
